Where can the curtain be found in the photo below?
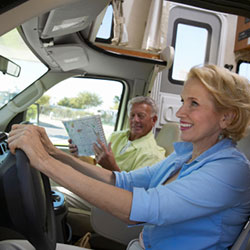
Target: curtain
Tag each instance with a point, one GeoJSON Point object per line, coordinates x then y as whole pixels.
{"type": "Point", "coordinates": [156, 28]}
{"type": "Point", "coordinates": [120, 30]}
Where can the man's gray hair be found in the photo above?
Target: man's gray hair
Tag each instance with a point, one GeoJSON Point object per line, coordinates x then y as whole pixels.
{"type": "Point", "coordinates": [143, 99]}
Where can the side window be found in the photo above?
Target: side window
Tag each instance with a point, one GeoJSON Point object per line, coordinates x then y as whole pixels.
{"type": "Point", "coordinates": [14, 48]}
{"type": "Point", "coordinates": [192, 44]}
{"type": "Point", "coordinates": [105, 32]}
{"type": "Point", "coordinates": [243, 69]}
{"type": "Point", "coordinates": [72, 99]}
{"type": "Point", "coordinates": [195, 35]}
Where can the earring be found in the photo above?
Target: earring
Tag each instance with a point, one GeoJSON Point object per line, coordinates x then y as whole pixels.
{"type": "Point", "coordinates": [220, 137]}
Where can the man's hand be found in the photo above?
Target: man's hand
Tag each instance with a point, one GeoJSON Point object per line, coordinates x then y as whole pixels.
{"type": "Point", "coordinates": [73, 148]}
{"type": "Point", "coordinates": [104, 156]}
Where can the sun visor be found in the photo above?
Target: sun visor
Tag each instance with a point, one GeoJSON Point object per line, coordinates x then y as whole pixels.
{"type": "Point", "coordinates": [69, 57]}
{"type": "Point", "coordinates": [72, 18]}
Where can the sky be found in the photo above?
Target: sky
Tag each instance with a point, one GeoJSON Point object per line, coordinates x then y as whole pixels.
{"type": "Point", "coordinates": [106, 89]}
{"type": "Point", "coordinates": [104, 30]}
{"type": "Point", "coordinates": [193, 49]}
{"type": "Point", "coordinates": [244, 70]}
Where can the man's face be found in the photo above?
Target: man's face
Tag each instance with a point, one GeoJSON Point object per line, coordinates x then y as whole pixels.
{"type": "Point", "coordinates": [140, 120]}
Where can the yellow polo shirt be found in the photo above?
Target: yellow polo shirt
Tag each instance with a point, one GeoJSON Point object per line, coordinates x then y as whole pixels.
{"type": "Point", "coordinates": [130, 155]}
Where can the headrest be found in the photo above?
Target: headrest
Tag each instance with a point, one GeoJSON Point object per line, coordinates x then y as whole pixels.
{"type": "Point", "coordinates": [244, 144]}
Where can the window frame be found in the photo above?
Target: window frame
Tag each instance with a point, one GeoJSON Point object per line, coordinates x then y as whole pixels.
{"type": "Point", "coordinates": [111, 35]}
{"type": "Point", "coordinates": [239, 63]}
{"type": "Point", "coordinates": [123, 93]}
{"type": "Point", "coordinates": [174, 37]}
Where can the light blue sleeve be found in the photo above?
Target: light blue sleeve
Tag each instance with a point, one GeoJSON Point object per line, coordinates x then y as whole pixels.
{"type": "Point", "coordinates": [137, 178]}
{"type": "Point", "coordinates": [140, 177]}
{"type": "Point", "coordinates": [216, 186]}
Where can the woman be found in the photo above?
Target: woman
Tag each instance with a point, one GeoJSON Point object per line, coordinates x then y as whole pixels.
{"type": "Point", "coordinates": [198, 197]}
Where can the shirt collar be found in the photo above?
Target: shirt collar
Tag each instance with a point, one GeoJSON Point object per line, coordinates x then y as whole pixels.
{"type": "Point", "coordinates": [184, 149]}
{"type": "Point", "coordinates": [141, 141]}
{"type": "Point", "coordinates": [184, 152]}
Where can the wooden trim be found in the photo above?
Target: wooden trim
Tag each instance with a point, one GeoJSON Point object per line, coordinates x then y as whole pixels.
{"type": "Point", "coordinates": [243, 28]}
{"type": "Point", "coordinates": [128, 51]}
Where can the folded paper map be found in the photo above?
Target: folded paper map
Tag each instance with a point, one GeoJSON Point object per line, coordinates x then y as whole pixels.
{"type": "Point", "coordinates": [84, 132]}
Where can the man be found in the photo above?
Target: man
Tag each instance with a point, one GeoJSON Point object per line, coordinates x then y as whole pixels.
{"type": "Point", "coordinates": [132, 148]}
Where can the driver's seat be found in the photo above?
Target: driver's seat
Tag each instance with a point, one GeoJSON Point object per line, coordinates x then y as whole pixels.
{"type": "Point", "coordinates": [112, 228]}
{"type": "Point", "coordinates": [242, 242]}
{"type": "Point", "coordinates": [25, 245]}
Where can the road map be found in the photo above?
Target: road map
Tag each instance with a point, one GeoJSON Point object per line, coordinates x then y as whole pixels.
{"type": "Point", "coordinates": [84, 132]}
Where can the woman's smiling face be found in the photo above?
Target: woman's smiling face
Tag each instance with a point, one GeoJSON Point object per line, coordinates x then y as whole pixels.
{"type": "Point", "coordinates": [200, 123]}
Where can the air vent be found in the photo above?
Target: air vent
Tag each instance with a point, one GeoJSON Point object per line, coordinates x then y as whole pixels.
{"type": "Point", "coordinates": [3, 150]}
{"type": "Point", "coordinates": [6, 5]}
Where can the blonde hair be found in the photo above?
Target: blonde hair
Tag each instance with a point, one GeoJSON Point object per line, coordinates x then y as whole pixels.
{"type": "Point", "coordinates": [230, 92]}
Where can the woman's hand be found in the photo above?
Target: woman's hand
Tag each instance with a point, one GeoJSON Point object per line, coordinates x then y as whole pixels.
{"type": "Point", "coordinates": [30, 139]}
{"type": "Point", "coordinates": [47, 144]}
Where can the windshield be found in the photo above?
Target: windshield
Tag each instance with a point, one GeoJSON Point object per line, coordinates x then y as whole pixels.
{"type": "Point", "coordinates": [13, 47]}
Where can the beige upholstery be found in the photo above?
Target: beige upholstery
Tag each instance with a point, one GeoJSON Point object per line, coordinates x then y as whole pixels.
{"type": "Point", "coordinates": [112, 228]}
{"type": "Point", "coordinates": [168, 134]}
{"type": "Point", "coordinates": [244, 144]}
{"type": "Point", "coordinates": [88, 159]}
{"type": "Point", "coordinates": [242, 241]}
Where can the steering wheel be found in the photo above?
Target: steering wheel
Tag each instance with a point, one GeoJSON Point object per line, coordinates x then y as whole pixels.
{"type": "Point", "coordinates": [29, 201]}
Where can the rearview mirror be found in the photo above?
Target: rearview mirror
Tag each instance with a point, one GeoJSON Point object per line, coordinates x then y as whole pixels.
{"type": "Point", "coordinates": [9, 67]}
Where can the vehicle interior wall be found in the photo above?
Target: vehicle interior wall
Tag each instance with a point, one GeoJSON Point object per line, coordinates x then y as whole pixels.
{"type": "Point", "coordinates": [242, 47]}
{"type": "Point", "coordinates": [53, 51]}
{"type": "Point", "coordinates": [136, 21]}
{"type": "Point", "coordinates": [136, 74]}
{"type": "Point", "coordinates": [242, 8]}
{"type": "Point", "coordinates": [94, 62]}
{"type": "Point", "coordinates": [21, 13]}
{"type": "Point", "coordinates": [229, 55]}
{"type": "Point", "coordinates": [221, 48]}
{"type": "Point", "coordinates": [220, 51]}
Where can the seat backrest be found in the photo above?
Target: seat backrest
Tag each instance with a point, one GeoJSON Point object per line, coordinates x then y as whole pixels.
{"type": "Point", "coordinates": [244, 144]}
{"type": "Point", "coordinates": [169, 133]}
{"type": "Point", "coordinates": [112, 228]}
{"type": "Point", "coordinates": [242, 240]}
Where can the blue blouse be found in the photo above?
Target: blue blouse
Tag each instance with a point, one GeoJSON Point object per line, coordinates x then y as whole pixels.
{"type": "Point", "coordinates": [204, 208]}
